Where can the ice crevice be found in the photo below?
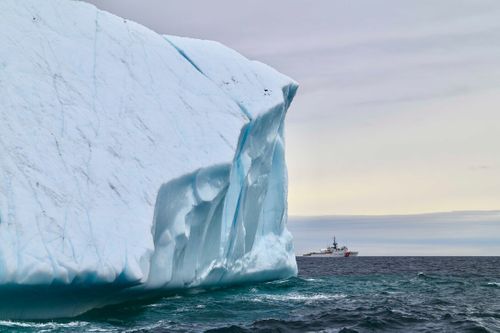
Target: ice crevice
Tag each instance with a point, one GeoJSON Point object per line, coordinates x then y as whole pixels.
{"type": "Point", "coordinates": [188, 59]}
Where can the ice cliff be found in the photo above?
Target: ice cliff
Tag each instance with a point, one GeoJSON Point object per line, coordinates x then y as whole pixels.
{"type": "Point", "coordinates": [132, 163]}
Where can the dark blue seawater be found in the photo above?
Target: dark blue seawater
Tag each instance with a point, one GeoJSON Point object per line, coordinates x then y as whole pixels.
{"type": "Point", "coordinates": [364, 294]}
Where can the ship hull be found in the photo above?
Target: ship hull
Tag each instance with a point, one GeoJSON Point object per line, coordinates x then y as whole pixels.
{"type": "Point", "coordinates": [331, 255]}
{"type": "Point", "coordinates": [318, 255]}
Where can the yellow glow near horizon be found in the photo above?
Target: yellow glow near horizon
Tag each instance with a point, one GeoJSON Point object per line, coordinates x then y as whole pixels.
{"type": "Point", "coordinates": [436, 156]}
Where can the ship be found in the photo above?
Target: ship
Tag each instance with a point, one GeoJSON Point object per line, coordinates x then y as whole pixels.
{"type": "Point", "coordinates": [333, 251]}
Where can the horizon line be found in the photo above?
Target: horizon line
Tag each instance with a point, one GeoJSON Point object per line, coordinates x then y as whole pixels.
{"type": "Point", "coordinates": [496, 211]}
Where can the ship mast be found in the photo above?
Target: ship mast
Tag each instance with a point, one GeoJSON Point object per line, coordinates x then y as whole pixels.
{"type": "Point", "coordinates": [334, 243]}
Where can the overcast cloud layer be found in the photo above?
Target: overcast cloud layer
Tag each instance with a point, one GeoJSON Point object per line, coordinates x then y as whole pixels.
{"type": "Point", "coordinates": [398, 110]}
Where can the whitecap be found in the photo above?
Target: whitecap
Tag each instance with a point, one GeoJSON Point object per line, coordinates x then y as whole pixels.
{"type": "Point", "coordinates": [41, 325]}
{"type": "Point", "coordinates": [300, 297]}
{"type": "Point", "coordinates": [313, 280]}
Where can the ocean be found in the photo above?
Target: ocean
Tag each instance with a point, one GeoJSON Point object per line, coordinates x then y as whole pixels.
{"type": "Point", "coordinates": [358, 294]}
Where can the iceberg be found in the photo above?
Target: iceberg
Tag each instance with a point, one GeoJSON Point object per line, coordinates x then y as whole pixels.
{"type": "Point", "coordinates": [132, 163]}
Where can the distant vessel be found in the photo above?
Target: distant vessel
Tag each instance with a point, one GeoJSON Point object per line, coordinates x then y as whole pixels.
{"type": "Point", "coordinates": [333, 251]}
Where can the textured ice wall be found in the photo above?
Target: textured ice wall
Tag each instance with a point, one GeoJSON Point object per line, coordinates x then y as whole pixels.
{"type": "Point", "coordinates": [132, 162]}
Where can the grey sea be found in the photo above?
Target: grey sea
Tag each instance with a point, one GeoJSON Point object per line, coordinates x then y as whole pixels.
{"type": "Point", "coordinates": [359, 294]}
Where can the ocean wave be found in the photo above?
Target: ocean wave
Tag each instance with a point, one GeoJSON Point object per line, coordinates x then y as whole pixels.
{"type": "Point", "coordinates": [313, 280]}
{"type": "Point", "coordinates": [299, 297]}
{"type": "Point", "coordinates": [42, 325]}
{"type": "Point", "coordinates": [451, 300]}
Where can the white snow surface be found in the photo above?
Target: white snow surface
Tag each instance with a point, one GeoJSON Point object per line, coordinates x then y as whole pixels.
{"type": "Point", "coordinates": [132, 160]}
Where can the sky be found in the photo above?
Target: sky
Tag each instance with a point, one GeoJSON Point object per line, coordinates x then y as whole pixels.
{"type": "Point", "coordinates": [398, 109]}
{"type": "Point", "coordinates": [436, 234]}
